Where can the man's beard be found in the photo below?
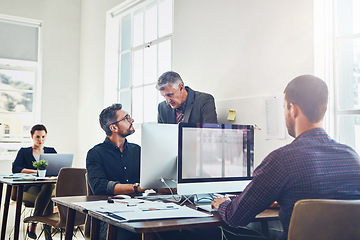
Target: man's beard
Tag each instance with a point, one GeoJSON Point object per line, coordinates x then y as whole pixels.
{"type": "Point", "coordinates": [128, 132]}
{"type": "Point", "coordinates": [290, 127]}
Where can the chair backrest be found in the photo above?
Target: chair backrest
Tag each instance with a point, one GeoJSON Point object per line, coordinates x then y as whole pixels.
{"type": "Point", "coordinates": [89, 191]}
{"type": "Point", "coordinates": [88, 220]}
{"type": "Point", "coordinates": [325, 219]}
{"type": "Point", "coordinates": [71, 182]}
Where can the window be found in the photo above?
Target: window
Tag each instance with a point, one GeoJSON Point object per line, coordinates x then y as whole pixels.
{"type": "Point", "coordinates": [347, 71]}
{"type": "Point", "coordinates": [144, 51]}
{"type": "Point", "coordinates": [337, 61]}
{"type": "Point", "coordinates": [19, 82]}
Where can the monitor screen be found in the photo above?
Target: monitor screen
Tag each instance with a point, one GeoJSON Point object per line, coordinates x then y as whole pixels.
{"type": "Point", "coordinates": [214, 158]}
{"type": "Point", "coordinates": [159, 149]}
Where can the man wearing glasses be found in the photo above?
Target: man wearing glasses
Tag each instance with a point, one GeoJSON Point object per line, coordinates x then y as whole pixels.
{"type": "Point", "coordinates": [113, 167]}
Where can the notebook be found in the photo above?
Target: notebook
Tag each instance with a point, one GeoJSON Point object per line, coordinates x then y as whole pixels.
{"type": "Point", "coordinates": [56, 161]}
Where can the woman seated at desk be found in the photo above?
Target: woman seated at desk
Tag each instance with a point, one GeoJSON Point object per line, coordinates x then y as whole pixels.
{"type": "Point", "coordinates": [40, 195]}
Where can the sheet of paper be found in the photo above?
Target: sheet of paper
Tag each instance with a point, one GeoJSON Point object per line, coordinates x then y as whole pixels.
{"type": "Point", "coordinates": [137, 209]}
{"type": "Point", "coordinates": [232, 115]}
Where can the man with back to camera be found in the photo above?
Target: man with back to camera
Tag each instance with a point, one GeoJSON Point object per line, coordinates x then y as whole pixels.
{"type": "Point", "coordinates": [313, 166]}
{"type": "Point", "coordinates": [182, 104]}
{"type": "Point", "coordinates": [113, 167]}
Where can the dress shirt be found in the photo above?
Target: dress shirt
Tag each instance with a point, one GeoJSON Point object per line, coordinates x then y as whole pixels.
{"type": "Point", "coordinates": [107, 165]}
{"type": "Point", "coordinates": [313, 166]}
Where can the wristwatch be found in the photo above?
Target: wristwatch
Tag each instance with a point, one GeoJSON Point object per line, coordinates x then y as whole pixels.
{"type": "Point", "coordinates": [136, 185]}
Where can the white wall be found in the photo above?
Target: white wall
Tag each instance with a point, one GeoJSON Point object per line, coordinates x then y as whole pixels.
{"type": "Point", "coordinates": [234, 49]}
{"type": "Point", "coordinates": [60, 82]}
{"type": "Point", "coordinates": [241, 51]}
{"type": "Point", "coordinates": [91, 85]}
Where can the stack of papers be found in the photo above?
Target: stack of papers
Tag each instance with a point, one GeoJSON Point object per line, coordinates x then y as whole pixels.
{"type": "Point", "coordinates": [26, 177]}
{"type": "Point", "coordinates": [21, 177]}
{"type": "Point", "coordinates": [137, 209]}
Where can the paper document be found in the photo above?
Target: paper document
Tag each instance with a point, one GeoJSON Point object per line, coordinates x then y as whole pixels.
{"type": "Point", "coordinates": [21, 177]}
{"type": "Point", "coordinates": [137, 209]}
{"type": "Point", "coordinates": [232, 115]}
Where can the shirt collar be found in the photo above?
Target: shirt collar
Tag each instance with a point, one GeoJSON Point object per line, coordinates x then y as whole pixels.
{"type": "Point", "coordinates": [311, 132]}
{"type": "Point", "coordinates": [112, 145]}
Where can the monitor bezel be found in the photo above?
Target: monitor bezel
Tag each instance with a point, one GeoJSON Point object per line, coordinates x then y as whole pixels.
{"type": "Point", "coordinates": [250, 152]}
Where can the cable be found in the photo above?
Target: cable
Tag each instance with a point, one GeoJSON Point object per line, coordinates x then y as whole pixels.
{"type": "Point", "coordinates": [172, 194]}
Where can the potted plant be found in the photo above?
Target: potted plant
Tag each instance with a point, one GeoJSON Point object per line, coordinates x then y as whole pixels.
{"type": "Point", "coordinates": [41, 167]}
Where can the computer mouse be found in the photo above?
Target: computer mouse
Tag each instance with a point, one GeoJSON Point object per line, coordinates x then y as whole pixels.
{"type": "Point", "coordinates": [121, 196]}
{"type": "Point", "coordinates": [149, 192]}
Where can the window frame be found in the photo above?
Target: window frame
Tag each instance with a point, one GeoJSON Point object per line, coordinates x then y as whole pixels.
{"type": "Point", "coordinates": [23, 65]}
{"type": "Point", "coordinates": [327, 61]}
{"type": "Point", "coordinates": [113, 52]}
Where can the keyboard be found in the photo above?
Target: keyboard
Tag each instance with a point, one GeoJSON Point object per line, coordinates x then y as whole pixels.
{"type": "Point", "coordinates": [169, 197]}
{"type": "Point", "coordinates": [206, 207]}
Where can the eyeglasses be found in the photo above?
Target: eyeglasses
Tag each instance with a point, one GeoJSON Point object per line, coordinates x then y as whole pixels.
{"type": "Point", "coordinates": [127, 117]}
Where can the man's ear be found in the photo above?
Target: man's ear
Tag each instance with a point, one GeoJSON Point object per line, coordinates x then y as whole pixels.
{"type": "Point", "coordinates": [113, 128]}
{"type": "Point", "coordinates": [181, 86]}
{"type": "Point", "coordinates": [294, 108]}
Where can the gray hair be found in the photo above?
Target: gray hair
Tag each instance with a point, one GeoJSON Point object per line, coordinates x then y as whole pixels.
{"type": "Point", "coordinates": [171, 78]}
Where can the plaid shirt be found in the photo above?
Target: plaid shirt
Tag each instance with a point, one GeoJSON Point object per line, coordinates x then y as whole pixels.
{"type": "Point", "coordinates": [313, 166]}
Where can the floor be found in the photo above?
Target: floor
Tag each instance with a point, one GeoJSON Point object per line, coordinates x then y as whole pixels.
{"type": "Point", "coordinates": [23, 226]}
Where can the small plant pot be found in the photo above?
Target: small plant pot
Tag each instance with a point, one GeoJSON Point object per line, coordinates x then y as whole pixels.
{"type": "Point", "coordinates": [41, 173]}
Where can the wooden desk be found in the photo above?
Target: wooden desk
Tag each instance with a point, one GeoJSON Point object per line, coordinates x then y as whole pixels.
{"type": "Point", "coordinates": [20, 190]}
{"type": "Point", "coordinates": [146, 228]}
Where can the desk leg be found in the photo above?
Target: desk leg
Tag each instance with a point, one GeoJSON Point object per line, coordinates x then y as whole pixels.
{"type": "Point", "coordinates": [19, 197]}
{"type": "Point", "coordinates": [111, 232]}
{"type": "Point", "coordinates": [265, 228]}
{"type": "Point", "coordinates": [6, 211]}
{"type": "Point", "coordinates": [70, 221]}
{"type": "Point", "coordinates": [95, 229]}
{"type": "Point", "coordinates": [148, 236]}
{"type": "Point", "coordinates": [1, 190]}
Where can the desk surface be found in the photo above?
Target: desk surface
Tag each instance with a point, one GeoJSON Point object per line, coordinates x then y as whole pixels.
{"type": "Point", "coordinates": [20, 188]}
{"type": "Point", "coordinates": [10, 181]}
{"type": "Point", "coordinates": [156, 225]}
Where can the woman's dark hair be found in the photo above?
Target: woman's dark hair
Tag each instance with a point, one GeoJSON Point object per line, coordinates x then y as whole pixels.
{"type": "Point", "coordinates": [37, 127]}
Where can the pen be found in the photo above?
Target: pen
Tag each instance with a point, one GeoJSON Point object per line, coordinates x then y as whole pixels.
{"type": "Point", "coordinates": [157, 209]}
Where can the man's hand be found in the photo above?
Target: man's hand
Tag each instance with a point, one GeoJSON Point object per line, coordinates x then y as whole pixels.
{"type": "Point", "coordinates": [217, 201]}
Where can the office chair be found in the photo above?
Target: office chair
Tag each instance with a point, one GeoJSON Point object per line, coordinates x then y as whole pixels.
{"type": "Point", "coordinates": [314, 219]}
{"type": "Point", "coordinates": [70, 182]}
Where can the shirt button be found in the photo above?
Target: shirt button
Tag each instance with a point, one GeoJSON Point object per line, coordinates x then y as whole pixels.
{"type": "Point", "coordinates": [127, 180]}
{"type": "Point", "coordinates": [124, 167]}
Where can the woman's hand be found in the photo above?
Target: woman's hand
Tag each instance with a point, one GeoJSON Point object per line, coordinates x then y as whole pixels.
{"type": "Point", "coordinates": [27, 170]}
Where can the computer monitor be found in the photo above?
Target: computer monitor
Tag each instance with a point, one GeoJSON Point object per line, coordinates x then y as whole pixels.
{"type": "Point", "coordinates": [159, 149]}
{"type": "Point", "coordinates": [214, 158]}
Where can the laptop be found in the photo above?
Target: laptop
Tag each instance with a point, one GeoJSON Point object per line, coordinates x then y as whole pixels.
{"type": "Point", "coordinates": [56, 161]}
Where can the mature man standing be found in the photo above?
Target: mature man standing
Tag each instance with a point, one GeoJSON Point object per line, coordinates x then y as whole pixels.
{"type": "Point", "coordinates": [313, 166]}
{"type": "Point", "coordinates": [182, 104]}
{"type": "Point", "coordinates": [113, 167]}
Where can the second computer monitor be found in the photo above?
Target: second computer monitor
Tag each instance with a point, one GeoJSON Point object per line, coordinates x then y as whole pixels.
{"type": "Point", "coordinates": [159, 149]}
{"type": "Point", "coordinates": [214, 158]}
